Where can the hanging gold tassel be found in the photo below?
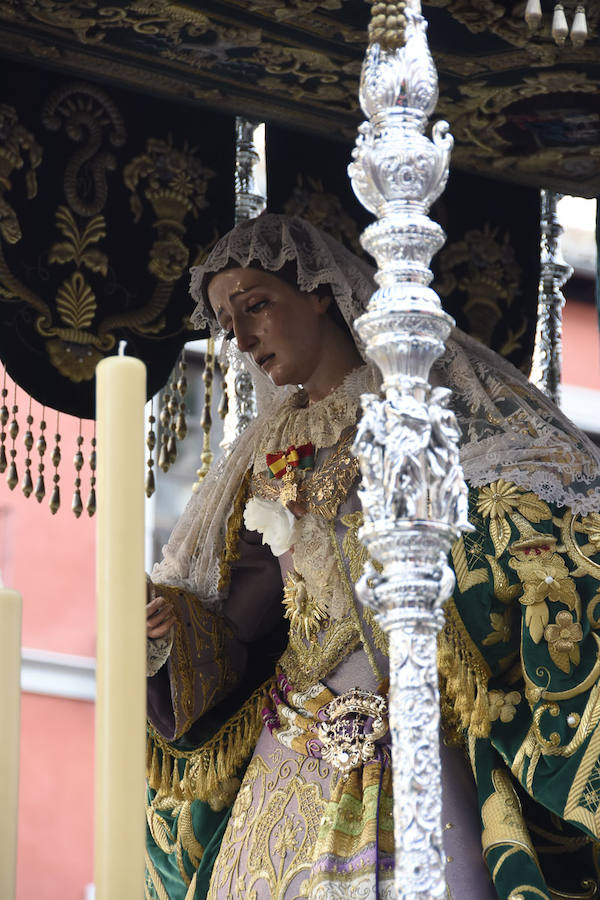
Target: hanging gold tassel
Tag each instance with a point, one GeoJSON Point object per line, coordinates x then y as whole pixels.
{"type": "Point", "coordinates": [3, 423]}
{"type": "Point", "coordinates": [154, 769]}
{"type": "Point", "coordinates": [27, 486]}
{"type": "Point", "coordinates": [206, 457]}
{"type": "Point", "coordinates": [40, 487]}
{"type": "Point", "coordinates": [76, 504]}
{"type": "Point", "coordinates": [181, 424]}
{"type": "Point", "coordinates": [91, 503]}
{"type": "Point", "coordinates": [173, 410]}
{"type": "Point", "coordinates": [209, 773]}
{"type": "Point", "coordinates": [165, 429]}
{"type": "Point", "coordinates": [224, 401]}
{"type": "Point", "coordinates": [56, 458]}
{"type": "Point", "coordinates": [151, 444]}
{"type": "Point", "coordinates": [464, 676]}
{"type": "Point", "coordinates": [12, 478]}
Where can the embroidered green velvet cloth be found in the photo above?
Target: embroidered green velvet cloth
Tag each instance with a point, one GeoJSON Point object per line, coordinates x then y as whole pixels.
{"type": "Point", "coordinates": [520, 660]}
{"type": "Point", "coordinates": [183, 838]}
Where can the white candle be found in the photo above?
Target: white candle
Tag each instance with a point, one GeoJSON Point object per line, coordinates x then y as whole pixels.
{"type": "Point", "coordinates": [10, 706]}
{"type": "Point", "coordinates": [121, 651]}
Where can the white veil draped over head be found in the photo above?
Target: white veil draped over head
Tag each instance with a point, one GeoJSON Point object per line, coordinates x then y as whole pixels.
{"type": "Point", "coordinates": [192, 555]}
{"type": "Point", "coordinates": [510, 430]}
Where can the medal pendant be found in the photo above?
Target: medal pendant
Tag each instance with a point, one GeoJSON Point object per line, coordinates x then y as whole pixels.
{"type": "Point", "coordinates": [289, 486]}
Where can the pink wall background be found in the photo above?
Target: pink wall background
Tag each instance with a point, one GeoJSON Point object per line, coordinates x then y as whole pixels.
{"type": "Point", "coordinates": [50, 561]}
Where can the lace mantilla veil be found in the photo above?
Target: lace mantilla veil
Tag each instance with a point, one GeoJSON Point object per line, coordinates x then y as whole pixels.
{"type": "Point", "coordinates": [510, 430]}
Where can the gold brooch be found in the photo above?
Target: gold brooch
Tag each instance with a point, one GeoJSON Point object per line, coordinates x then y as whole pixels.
{"type": "Point", "coordinates": [306, 613]}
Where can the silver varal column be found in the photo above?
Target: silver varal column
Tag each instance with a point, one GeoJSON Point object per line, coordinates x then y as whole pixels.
{"type": "Point", "coordinates": [413, 492]}
{"type": "Point", "coordinates": [250, 201]}
{"type": "Point", "coordinates": [546, 367]}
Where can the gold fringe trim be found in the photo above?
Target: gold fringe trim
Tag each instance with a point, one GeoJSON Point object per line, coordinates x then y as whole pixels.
{"type": "Point", "coordinates": [464, 679]}
{"type": "Point", "coordinates": [210, 772]}
{"type": "Point", "coordinates": [232, 535]}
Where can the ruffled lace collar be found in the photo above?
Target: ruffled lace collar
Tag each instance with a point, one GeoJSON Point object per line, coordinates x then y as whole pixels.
{"type": "Point", "coordinates": [322, 423]}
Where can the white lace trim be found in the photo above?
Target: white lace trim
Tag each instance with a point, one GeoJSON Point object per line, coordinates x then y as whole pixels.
{"type": "Point", "coordinates": [157, 653]}
{"type": "Point", "coordinates": [323, 422]}
{"type": "Point", "coordinates": [512, 431]}
{"type": "Point", "coordinates": [270, 241]}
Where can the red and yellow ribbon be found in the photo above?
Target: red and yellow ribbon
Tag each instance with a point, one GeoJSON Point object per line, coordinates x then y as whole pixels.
{"type": "Point", "coordinates": [296, 457]}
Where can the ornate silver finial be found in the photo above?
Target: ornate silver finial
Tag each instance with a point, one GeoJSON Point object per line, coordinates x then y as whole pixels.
{"type": "Point", "coordinates": [250, 199]}
{"type": "Point", "coordinates": [413, 492]}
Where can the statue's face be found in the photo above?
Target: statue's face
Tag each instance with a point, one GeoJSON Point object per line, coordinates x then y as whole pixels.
{"type": "Point", "coordinates": [280, 326]}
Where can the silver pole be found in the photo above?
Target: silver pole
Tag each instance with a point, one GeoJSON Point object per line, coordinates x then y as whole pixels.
{"type": "Point", "coordinates": [413, 492]}
{"type": "Point", "coordinates": [546, 369]}
{"type": "Point", "coordinates": [250, 201]}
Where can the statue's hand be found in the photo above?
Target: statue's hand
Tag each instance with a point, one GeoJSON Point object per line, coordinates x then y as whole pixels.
{"type": "Point", "coordinates": [297, 508]}
{"type": "Point", "coordinates": [160, 617]}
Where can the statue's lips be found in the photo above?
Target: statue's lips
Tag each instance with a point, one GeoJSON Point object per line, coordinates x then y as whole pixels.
{"type": "Point", "coordinates": [265, 361]}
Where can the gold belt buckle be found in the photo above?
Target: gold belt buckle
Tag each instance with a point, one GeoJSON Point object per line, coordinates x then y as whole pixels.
{"type": "Point", "coordinates": [345, 745]}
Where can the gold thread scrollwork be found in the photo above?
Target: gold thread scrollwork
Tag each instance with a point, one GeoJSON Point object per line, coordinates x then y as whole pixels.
{"type": "Point", "coordinates": [483, 267]}
{"type": "Point", "coordinates": [15, 141]}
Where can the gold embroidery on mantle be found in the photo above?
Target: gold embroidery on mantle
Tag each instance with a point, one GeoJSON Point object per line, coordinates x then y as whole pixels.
{"type": "Point", "coordinates": [502, 817]}
{"type": "Point", "coordinates": [352, 604]}
{"type": "Point", "coordinates": [305, 612]}
{"type": "Point", "coordinates": [357, 555]}
{"type": "Point", "coordinates": [305, 662]}
{"type": "Point", "coordinates": [184, 838]}
{"type": "Point", "coordinates": [569, 525]}
{"type": "Point", "coordinates": [536, 691]}
{"type": "Point", "coordinates": [465, 579]}
{"type": "Point", "coordinates": [232, 535]}
{"type": "Point", "coordinates": [209, 772]}
{"type": "Point", "coordinates": [354, 550]}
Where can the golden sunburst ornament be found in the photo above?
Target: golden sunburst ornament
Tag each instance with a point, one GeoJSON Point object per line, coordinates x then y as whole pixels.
{"type": "Point", "coordinates": [307, 614]}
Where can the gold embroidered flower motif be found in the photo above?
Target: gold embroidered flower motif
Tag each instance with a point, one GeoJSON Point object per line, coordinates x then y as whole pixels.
{"type": "Point", "coordinates": [503, 706]}
{"type": "Point", "coordinates": [498, 499]}
{"type": "Point", "coordinates": [307, 614]}
{"type": "Point", "coordinates": [501, 498]}
{"type": "Point", "coordinates": [544, 577]}
{"type": "Point", "coordinates": [502, 628]}
{"type": "Point", "coordinates": [563, 640]}
{"type": "Point", "coordinates": [286, 837]}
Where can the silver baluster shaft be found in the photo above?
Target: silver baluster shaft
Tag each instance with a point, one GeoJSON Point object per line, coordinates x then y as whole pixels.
{"type": "Point", "coordinates": [546, 367]}
{"type": "Point", "coordinates": [412, 491]}
{"type": "Point", "coordinates": [250, 201]}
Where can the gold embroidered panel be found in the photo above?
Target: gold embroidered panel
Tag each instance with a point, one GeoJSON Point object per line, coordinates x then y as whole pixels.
{"type": "Point", "coordinates": [521, 108]}
{"type": "Point", "coordinates": [106, 199]}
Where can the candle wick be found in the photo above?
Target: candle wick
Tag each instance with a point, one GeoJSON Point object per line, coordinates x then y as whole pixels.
{"type": "Point", "coordinates": [122, 345]}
